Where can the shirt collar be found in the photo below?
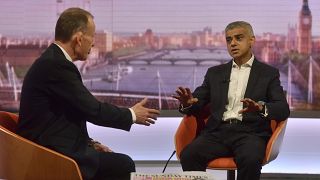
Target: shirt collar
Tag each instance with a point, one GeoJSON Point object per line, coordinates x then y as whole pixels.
{"type": "Point", "coordinates": [247, 64]}
{"type": "Point", "coordinates": [64, 52]}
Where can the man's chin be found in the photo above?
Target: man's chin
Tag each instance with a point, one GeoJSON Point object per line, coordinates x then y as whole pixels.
{"type": "Point", "coordinates": [235, 56]}
{"type": "Point", "coordinates": [82, 59]}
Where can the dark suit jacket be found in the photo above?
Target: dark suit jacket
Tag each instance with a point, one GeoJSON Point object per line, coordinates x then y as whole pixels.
{"type": "Point", "coordinates": [55, 106]}
{"type": "Point", "coordinates": [263, 85]}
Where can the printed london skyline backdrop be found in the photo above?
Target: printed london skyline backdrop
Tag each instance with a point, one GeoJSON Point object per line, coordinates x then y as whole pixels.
{"type": "Point", "coordinates": [147, 48]}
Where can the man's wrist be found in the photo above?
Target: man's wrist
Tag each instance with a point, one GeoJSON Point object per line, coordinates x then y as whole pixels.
{"type": "Point", "coordinates": [184, 107]}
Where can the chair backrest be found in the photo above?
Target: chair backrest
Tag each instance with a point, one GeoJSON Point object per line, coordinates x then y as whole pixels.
{"type": "Point", "coordinates": [24, 159]}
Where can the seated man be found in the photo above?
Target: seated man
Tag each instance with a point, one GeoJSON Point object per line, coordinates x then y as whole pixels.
{"type": "Point", "coordinates": [244, 95]}
{"type": "Point", "coordinates": [55, 105]}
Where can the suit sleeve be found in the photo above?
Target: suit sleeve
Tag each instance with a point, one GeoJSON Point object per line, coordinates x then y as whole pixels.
{"type": "Point", "coordinates": [202, 93]}
{"type": "Point", "coordinates": [278, 108]}
{"type": "Point", "coordinates": [65, 84]}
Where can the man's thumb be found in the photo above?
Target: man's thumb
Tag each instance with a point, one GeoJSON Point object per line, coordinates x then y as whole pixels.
{"type": "Point", "coordinates": [193, 100]}
{"type": "Point", "coordinates": [144, 101]}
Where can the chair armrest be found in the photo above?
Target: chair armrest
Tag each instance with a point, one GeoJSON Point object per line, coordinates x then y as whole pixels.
{"type": "Point", "coordinates": [190, 127]}
{"type": "Point", "coordinates": [275, 142]}
{"type": "Point", "coordinates": [185, 133]}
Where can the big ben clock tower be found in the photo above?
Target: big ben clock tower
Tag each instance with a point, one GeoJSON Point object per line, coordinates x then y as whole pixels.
{"type": "Point", "coordinates": [304, 29]}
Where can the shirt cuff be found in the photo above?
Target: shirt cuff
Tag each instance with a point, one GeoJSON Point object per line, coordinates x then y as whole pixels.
{"type": "Point", "coordinates": [133, 114]}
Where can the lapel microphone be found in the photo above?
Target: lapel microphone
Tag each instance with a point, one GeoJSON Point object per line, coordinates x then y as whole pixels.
{"type": "Point", "coordinates": [225, 80]}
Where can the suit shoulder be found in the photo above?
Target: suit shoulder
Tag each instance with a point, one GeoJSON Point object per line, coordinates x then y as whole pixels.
{"type": "Point", "coordinates": [50, 61]}
{"type": "Point", "coordinates": [267, 67]}
{"type": "Point", "coordinates": [218, 68]}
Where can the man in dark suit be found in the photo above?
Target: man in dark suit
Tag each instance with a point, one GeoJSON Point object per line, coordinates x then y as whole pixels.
{"type": "Point", "coordinates": [55, 105]}
{"type": "Point", "coordinates": [244, 95]}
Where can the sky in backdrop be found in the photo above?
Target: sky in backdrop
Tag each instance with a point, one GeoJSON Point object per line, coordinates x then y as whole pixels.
{"type": "Point", "coordinates": [25, 17]}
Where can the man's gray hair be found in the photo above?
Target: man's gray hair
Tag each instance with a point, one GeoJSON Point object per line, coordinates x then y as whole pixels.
{"type": "Point", "coordinates": [71, 21]}
{"type": "Point", "coordinates": [241, 24]}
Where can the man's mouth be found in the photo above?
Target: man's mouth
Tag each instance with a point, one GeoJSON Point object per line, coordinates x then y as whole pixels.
{"type": "Point", "coordinates": [234, 51]}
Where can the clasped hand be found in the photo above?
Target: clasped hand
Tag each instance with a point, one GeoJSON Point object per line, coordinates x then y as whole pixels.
{"type": "Point", "coordinates": [250, 106]}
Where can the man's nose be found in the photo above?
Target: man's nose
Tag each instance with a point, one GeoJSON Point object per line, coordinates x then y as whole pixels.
{"type": "Point", "coordinates": [233, 42]}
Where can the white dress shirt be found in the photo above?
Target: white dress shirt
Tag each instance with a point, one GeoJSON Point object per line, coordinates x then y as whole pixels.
{"type": "Point", "coordinates": [237, 87]}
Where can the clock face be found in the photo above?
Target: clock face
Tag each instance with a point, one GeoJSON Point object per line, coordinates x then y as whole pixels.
{"type": "Point", "coordinates": [306, 20]}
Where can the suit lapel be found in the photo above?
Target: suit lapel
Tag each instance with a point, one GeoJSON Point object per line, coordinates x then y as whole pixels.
{"type": "Point", "coordinates": [253, 77]}
{"type": "Point", "coordinates": [225, 80]}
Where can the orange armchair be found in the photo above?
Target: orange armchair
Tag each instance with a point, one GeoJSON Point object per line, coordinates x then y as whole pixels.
{"type": "Point", "coordinates": [191, 126]}
{"type": "Point", "coordinates": [24, 159]}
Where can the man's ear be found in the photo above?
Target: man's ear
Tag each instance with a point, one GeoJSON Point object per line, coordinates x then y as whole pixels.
{"type": "Point", "coordinates": [253, 40]}
{"type": "Point", "coordinates": [77, 38]}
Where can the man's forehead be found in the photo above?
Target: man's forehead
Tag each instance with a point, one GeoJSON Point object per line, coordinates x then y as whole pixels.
{"type": "Point", "coordinates": [236, 32]}
{"type": "Point", "coordinates": [235, 35]}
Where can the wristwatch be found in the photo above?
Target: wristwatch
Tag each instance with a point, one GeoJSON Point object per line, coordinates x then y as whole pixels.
{"type": "Point", "coordinates": [264, 111]}
{"type": "Point", "coordinates": [263, 104]}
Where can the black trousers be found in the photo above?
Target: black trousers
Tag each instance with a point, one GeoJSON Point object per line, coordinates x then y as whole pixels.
{"type": "Point", "coordinates": [235, 140]}
{"type": "Point", "coordinates": [114, 166]}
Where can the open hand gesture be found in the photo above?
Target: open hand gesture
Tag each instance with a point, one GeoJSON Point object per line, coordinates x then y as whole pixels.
{"type": "Point", "coordinates": [185, 97]}
{"type": "Point", "coordinates": [145, 116]}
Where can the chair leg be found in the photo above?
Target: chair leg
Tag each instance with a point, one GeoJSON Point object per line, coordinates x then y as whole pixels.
{"type": "Point", "coordinates": [231, 174]}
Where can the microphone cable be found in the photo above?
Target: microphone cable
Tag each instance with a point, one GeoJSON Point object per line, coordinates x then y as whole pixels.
{"type": "Point", "coordinates": [168, 161]}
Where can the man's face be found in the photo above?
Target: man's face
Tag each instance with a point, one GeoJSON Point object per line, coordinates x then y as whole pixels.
{"type": "Point", "coordinates": [239, 43]}
{"type": "Point", "coordinates": [87, 41]}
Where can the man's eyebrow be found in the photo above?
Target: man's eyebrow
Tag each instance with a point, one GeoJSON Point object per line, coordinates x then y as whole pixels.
{"type": "Point", "coordinates": [239, 35]}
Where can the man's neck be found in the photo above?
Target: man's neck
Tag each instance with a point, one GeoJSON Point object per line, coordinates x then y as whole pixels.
{"type": "Point", "coordinates": [242, 60]}
{"type": "Point", "coordinates": [68, 49]}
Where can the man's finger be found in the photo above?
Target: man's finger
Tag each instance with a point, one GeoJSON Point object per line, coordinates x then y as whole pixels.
{"type": "Point", "coordinates": [183, 90]}
{"type": "Point", "coordinates": [149, 120]}
{"type": "Point", "coordinates": [251, 101]}
{"type": "Point", "coordinates": [246, 102]}
{"type": "Point", "coordinates": [154, 111]}
{"type": "Point", "coordinates": [188, 91]}
{"type": "Point", "coordinates": [179, 92]}
{"type": "Point", "coordinates": [243, 110]}
{"type": "Point", "coordinates": [144, 101]}
{"type": "Point", "coordinates": [153, 116]}
{"type": "Point", "coordinates": [146, 123]}
{"type": "Point", "coordinates": [176, 96]}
